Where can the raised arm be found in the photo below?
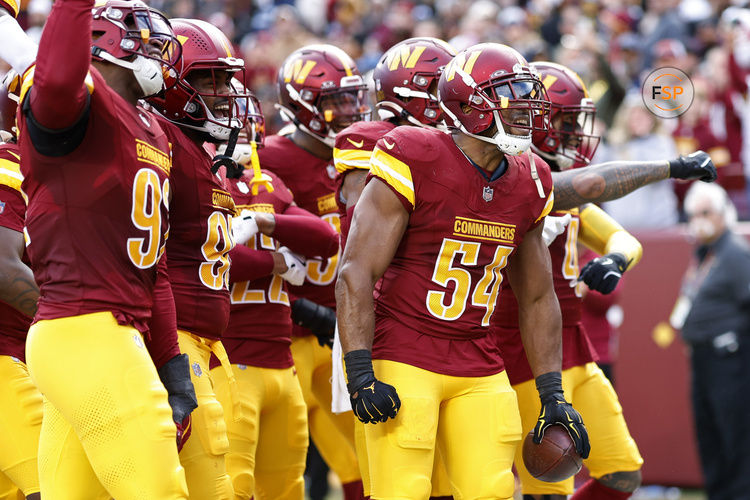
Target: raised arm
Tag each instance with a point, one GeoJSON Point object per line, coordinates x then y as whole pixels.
{"type": "Point", "coordinates": [613, 180]}
{"type": "Point", "coordinates": [59, 96]}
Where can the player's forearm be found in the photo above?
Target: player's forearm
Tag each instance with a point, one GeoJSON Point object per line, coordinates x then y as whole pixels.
{"type": "Point", "coordinates": [162, 339]}
{"type": "Point", "coordinates": [605, 181]}
{"type": "Point", "coordinates": [18, 288]}
{"type": "Point", "coordinates": [249, 264]}
{"type": "Point", "coordinates": [306, 234]}
{"type": "Point", "coordinates": [59, 95]}
{"type": "Point", "coordinates": [355, 311]}
{"type": "Point", "coordinates": [541, 332]}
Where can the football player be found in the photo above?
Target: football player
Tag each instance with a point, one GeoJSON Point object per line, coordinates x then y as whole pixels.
{"type": "Point", "coordinates": [321, 92]}
{"type": "Point", "coordinates": [614, 462]}
{"type": "Point", "coordinates": [21, 418]}
{"type": "Point", "coordinates": [95, 169]}
{"type": "Point", "coordinates": [406, 78]}
{"type": "Point", "coordinates": [202, 107]}
{"type": "Point", "coordinates": [268, 446]}
{"type": "Point", "coordinates": [440, 219]}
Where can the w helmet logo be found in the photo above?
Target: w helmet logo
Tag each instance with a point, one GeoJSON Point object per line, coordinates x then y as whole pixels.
{"type": "Point", "coordinates": [298, 71]}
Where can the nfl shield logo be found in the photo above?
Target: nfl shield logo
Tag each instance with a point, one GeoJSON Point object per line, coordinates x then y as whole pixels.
{"type": "Point", "coordinates": [2, 207]}
{"type": "Point", "coordinates": [487, 193]}
{"type": "Point", "coordinates": [197, 369]}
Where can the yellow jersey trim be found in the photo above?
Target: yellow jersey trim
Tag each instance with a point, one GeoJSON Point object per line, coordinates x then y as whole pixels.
{"type": "Point", "coordinates": [351, 159]}
{"type": "Point", "coordinates": [394, 172]}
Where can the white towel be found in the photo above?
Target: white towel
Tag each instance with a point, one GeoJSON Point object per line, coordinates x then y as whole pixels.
{"type": "Point", "coordinates": [339, 394]}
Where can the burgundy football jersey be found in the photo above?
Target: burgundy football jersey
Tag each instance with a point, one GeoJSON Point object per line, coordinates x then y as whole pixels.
{"type": "Point", "coordinates": [260, 324]}
{"type": "Point", "coordinates": [313, 184]}
{"type": "Point", "coordinates": [13, 324]}
{"type": "Point", "coordinates": [577, 349]}
{"type": "Point", "coordinates": [199, 238]}
{"type": "Point", "coordinates": [353, 148]}
{"type": "Point", "coordinates": [97, 217]}
{"type": "Point", "coordinates": [438, 295]}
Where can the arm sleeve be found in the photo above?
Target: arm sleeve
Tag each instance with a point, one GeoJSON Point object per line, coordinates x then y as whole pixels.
{"type": "Point", "coordinates": [306, 234]}
{"type": "Point", "coordinates": [162, 341]}
{"type": "Point", "coordinates": [249, 264]}
{"type": "Point", "coordinates": [602, 234]}
{"type": "Point", "coordinates": [59, 95]}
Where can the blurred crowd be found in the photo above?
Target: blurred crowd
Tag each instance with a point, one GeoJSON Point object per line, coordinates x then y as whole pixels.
{"type": "Point", "coordinates": [612, 45]}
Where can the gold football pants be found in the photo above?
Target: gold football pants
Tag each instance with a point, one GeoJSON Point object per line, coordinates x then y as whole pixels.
{"type": "Point", "coordinates": [268, 445]}
{"type": "Point", "coordinates": [20, 423]}
{"type": "Point", "coordinates": [203, 455]}
{"type": "Point", "coordinates": [472, 421]}
{"type": "Point", "coordinates": [107, 422]}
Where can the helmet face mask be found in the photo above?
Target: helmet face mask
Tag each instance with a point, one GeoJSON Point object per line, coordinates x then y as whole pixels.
{"type": "Point", "coordinates": [321, 91]}
{"type": "Point", "coordinates": [571, 134]}
{"type": "Point", "coordinates": [131, 35]}
{"type": "Point", "coordinates": [406, 80]}
{"type": "Point", "coordinates": [571, 140]}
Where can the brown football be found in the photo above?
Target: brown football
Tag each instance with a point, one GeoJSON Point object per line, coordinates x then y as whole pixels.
{"type": "Point", "coordinates": [555, 458]}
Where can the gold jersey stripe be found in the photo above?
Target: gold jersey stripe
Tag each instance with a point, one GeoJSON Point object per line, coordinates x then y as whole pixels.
{"type": "Point", "coordinates": [10, 174]}
{"type": "Point", "coordinates": [351, 159]}
{"type": "Point", "coordinates": [547, 206]}
{"type": "Point", "coordinates": [393, 171]}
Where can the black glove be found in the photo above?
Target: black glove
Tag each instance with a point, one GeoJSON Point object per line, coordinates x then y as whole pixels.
{"type": "Point", "coordinates": [320, 320]}
{"type": "Point", "coordinates": [175, 375]}
{"type": "Point", "coordinates": [603, 273]}
{"type": "Point", "coordinates": [372, 400]}
{"type": "Point", "coordinates": [555, 410]}
{"type": "Point", "coordinates": [696, 165]}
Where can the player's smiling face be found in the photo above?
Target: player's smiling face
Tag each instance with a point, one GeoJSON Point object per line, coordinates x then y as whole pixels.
{"type": "Point", "coordinates": [516, 121]}
{"type": "Point", "coordinates": [213, 85]}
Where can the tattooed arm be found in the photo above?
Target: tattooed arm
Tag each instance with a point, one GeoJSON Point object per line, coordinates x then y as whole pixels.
{"type": "Point", "coordinates": [17, 286]}
{"type": "Point", "coordinates": [604, 182]}
{"type": "Point", "coordinates": [613, 180]}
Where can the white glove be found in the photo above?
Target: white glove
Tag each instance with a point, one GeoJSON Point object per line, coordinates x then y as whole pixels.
{"type": "Point", "coordinates": [554, 227]}
{"type": "Point", "coordinates": [244, 227]}
{"type": "Point", "coordinates": [296, 269]}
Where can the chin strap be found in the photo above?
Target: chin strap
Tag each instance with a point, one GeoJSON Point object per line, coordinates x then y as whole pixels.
{"type": "Point", "coordinates": [234, 171]}
{"type": "Point", "coordinates": [258, 177]}
{"type": "Point", "coordinates": [535, 175]}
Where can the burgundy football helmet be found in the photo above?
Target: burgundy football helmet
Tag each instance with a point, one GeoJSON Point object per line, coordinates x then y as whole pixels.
{"type": "Point", "coordinates": [130, 34]}
{"type": "Point", "coordinates": [321, 91]}
{"type": "Point", "coordinates": [570, 140]}
{"type": "Point", "coordinates": [206, 51]}
{"type": "Point", "coordinates": [406, 80]}
{"type": "Point", "coordinates": [485, 81]}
